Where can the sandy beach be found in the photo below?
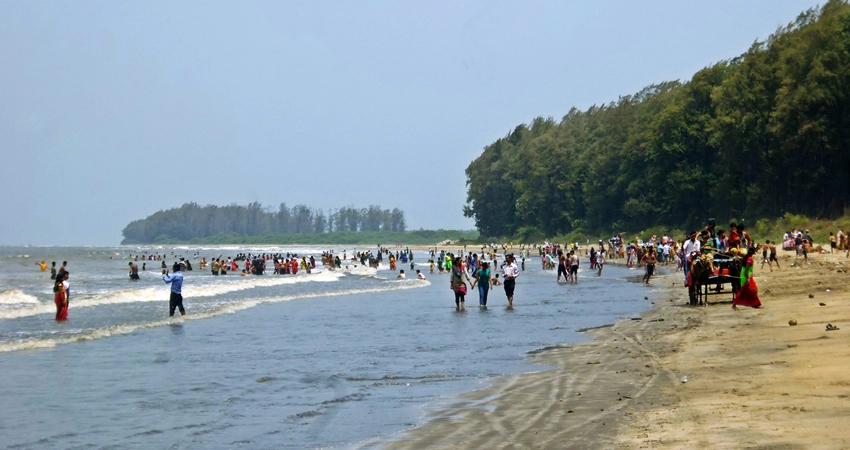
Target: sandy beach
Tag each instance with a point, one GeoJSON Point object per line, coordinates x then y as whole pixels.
{"type": "Point", "coordinates": [753, 381]}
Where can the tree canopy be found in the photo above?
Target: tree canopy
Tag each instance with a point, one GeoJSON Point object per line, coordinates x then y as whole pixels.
{"type": "Point", "coordinates": [192, 221]}
{"type": "Point", "coordinates": [755, 136]}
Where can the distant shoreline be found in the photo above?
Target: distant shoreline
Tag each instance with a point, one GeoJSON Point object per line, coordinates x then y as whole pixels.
{"type": "Point", "coordinates": [372, 238]}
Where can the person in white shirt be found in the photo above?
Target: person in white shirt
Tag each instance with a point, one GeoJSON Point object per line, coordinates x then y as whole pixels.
{"type": "Point", "coordinates": [420, 275]}
{"type": "Point", "coordinates": [692, 245]}
{"type": "Point", "coordinates": [401, 275]}
{"type": "Point", "coordinates": [600, 260]}
{"type": "Point", "coordinates": [509, 272]}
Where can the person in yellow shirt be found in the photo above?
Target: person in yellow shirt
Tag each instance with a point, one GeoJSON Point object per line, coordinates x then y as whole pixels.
{"type": "Point", "coordinates": [43, 266]}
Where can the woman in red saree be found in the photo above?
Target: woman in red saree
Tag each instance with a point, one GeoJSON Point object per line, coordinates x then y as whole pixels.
{"type": "Point", "coordinates": [61, 300]}
{"type": "Point", "coordinates": [748, 294]}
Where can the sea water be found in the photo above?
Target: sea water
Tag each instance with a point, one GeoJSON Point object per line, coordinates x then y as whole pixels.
{"type": "Point", "coordinates": [344, 358]}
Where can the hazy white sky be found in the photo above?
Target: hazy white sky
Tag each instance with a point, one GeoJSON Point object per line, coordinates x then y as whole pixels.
{"type": "Point", "coordinates": [112, 110]}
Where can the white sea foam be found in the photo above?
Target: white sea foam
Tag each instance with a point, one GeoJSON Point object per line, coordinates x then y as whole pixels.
{"type": "Point", "coordinates": [360, 269]}
{"type": "Point", "coordinates": [16, 297]}
{"type": "Point", "coordinates": [34, 344]}
{"type": "Point", "coordinates": [155, 294]}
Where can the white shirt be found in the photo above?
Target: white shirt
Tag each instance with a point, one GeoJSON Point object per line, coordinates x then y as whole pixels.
{"type": "Point", "coordinates": [421, 276]}
{"type": "Point", "coordinates": [691, 247]}
{"type": "Point", "coordinates": [510, 270]}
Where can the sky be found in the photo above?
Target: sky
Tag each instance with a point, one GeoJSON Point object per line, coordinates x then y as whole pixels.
{"type": "Point", "coordinates": [111, 111]}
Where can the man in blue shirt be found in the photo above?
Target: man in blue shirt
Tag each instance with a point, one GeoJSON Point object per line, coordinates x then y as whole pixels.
{"type": "Point", "coordinates": [176, 281]}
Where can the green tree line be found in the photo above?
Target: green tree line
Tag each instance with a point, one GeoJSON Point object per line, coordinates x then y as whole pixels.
{"type": "Point", "coordinates": [192, 221]}
{"type": "Point", "coordinates": [751, 137]}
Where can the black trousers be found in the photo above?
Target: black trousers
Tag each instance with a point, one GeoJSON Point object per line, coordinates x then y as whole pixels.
{"type": "Point", "coordinates": [510, 283]}
{"type": "Point", "coordinates": [176, 302]}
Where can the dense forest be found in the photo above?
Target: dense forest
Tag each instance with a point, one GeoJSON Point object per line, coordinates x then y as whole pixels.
{"type": "Point", "coordinates": [752, 137]}
{"type": "Point", "coordinates": [192, 221]}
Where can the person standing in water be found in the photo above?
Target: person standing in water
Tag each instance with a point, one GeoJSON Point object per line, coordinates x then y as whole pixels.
{"type": "Point", "coordinates": [134, 271]}
{"type": "Point", "coordinates": [65, 276]}
{"type": "Point", "coordinates": [600, 261]}
{"type": "Point", "coordinates": [458, 285]}
{"type": "Point", "coordinates": [176, 281]}
{"type": "Point", "coordinates": [510, 271]}
{"type": "Point", "coordinates": [62, 269]}
{"type": "Point", "coordinates": [573, 266]}
{"type": "Point", "coordinates": [53, 270]}
{"type": "Point", "coordinates": [60, 287]}
{"type": "Point", "coordinates": [482, 279]}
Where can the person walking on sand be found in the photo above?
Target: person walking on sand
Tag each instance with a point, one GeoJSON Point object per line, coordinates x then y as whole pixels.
{"type": "Point", "coordinates": [649, 259]}
{"type": "Point", "coordinates": [176, 281]}
{"type": "Point", "coordinates": [509, 272]}
{"type": "Point", "coordinates": [61, 298]}
{"type": "Point", "coordinates": [769, 255]}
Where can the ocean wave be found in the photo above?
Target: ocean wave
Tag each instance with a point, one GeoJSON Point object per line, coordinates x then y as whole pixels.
{"type": "Point", "coordinates": [16, 297]}
{"type": "Point", "coordinates": [155, 294]}
{"type": "Point", "coordinates": [88, 335]}
{"type": "Point", "coordinates": [360, 269]}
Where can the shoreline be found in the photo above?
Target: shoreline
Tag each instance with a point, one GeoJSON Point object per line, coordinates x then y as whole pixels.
{"type": "Point", "coordinates": [624, 389]}
{"type": "Point", "coordinates": [575, 399]}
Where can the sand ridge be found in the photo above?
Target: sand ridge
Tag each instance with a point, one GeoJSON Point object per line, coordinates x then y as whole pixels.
{"type": "Point", "coordinates": [754, 380]}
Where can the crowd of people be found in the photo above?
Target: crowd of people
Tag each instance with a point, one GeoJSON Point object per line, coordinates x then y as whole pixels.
{"type": "Point", "coordinates": [471, 271]}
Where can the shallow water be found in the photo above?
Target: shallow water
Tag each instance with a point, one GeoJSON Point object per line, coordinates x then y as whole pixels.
{"type": "Point", "coordinates": [322, 360]}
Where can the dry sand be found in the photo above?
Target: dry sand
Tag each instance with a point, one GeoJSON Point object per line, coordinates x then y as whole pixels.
{"type": "Point", "coordinates": [753, 380]}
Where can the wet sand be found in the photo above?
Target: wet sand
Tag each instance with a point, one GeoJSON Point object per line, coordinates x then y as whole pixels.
{"type": "Point", "coordinates": [753, 381]}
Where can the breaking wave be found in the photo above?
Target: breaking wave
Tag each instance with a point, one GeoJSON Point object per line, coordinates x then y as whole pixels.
{"type": "Point", "coordinates": [16, 297]}
{"type": "Point", "coordinates": [155, 294]}
{"type": "Point", "coordinates": [230, 308]}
